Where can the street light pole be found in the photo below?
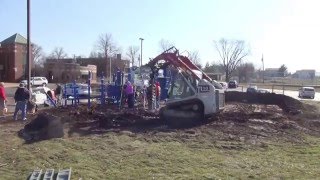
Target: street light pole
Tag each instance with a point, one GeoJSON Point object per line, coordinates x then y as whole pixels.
{"type": "Point", "coordinates": [110, 71]}
{"type": "Point", "coordinates": [141, 39]}
{"type": "Point", "coordinates": [28, 46]}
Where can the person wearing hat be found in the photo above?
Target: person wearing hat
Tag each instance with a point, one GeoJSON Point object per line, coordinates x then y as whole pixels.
{"type": "Point", "coordinates": [3, 99]}
{"type": "Point", "coordinates": [21, 97]}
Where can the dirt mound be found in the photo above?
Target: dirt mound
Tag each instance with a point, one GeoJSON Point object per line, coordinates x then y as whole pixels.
{"type": "Point", "coordinates": [126, 118]}
{"type": "Point", "coordinates": [43, 127]}
{"type": "Point", "coordinates": [238, 121]}
{"type": "Point", "coordinates": [288, 104]}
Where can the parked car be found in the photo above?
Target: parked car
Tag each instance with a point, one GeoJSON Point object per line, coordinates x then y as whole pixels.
{"type": "Point", "coordinates": [36, 81]}
{"type": "Point", "coordinates": [252, 89]}
{"type": "Point", "coordinates": [305, 92]}
{"type": "Point", "coordinates": [233, 84]}
{"type": "Point", "coordinates": [224, 85]}
{"type": "Point", "coordinates": [39, 95]}
{"type": "Point", "coordinates": [81, 89]}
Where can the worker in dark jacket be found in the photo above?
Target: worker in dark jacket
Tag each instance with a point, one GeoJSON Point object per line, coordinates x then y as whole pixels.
{"type": "Point", "coordinates": [149, 96]}
{"type": "Point", "coordinates": [21, 98]}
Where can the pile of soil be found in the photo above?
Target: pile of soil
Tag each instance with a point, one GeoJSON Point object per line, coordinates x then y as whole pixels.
{"type": "Point", "coordinates": [260, 116]}
{"type": "Point", "coordinates": [288, 104]}
{"type": "Point", "coordinates": [44, 126]}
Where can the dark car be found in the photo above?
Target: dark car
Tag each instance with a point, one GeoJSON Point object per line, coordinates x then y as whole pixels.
{"type": "Point", "coordinates": [232, 84]}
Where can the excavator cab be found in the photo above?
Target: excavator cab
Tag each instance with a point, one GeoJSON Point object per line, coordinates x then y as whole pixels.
{"type": "Point", "coordinates": [181, 88]}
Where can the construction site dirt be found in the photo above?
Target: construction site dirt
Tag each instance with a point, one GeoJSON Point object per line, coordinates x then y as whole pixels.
{"type": "Point", "coordinates": [246, 118]}
{"type": "Point", "coordinates": [244, 140]}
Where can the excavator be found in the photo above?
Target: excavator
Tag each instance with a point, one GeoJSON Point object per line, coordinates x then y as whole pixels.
{"type": "Point", "coordinates": [192, 96]}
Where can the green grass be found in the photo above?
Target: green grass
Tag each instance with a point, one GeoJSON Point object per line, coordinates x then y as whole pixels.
{"type": "Point", "coordinates": [160, 156]}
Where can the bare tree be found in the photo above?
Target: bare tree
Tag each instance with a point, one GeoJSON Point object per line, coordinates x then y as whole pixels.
{"type": "Point", "coordinates": [37, 54]}
{"type": "Point", "coordinates": [106, 46]}
{"type": "Point", "coordinates": [283, 70]}
{"type": "Point", "coordinates": [213, 67]}
{"type": "Point", "coordinates": [165, 44]}
{"type": "Point", "coordinates": [58, 53]}
{"type": "Point", "coordinates": [232, 53]}
{"type": "Point", "coordinates": [245, 71]}
{"type": "Point", "coordinates": [132, 53]}
{"type": "Point", "coordinates": [194, 57]}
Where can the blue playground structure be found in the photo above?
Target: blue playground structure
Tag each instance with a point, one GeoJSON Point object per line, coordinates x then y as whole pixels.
{"type": "Point", "coordinates": [107, 93]}
{"type": "Point", "coordinates": [111, 92]}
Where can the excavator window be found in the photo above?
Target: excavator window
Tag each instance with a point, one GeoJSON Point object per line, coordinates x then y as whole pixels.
{"type": "Point", "coordinates": [180, 89]}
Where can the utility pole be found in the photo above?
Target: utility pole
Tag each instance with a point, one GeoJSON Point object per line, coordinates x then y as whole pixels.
{"type": "Point", "coordinates": [28, 46]}
{"type": "Point", "coordinates": [110, 70]}
{"type": "Point", "coordinates": [141, 39]}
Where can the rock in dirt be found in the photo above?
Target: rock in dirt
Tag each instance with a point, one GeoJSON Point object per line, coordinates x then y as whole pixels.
{"type": "Point", "coordinates": [43, 127]}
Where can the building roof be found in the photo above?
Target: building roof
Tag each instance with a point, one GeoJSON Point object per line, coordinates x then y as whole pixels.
{"type": "Point", "coordinates": [272, 69]}
{"type": "Point", "coordinates": [14, 39]}
{"type": "Point", "coordinates": [306, 70]}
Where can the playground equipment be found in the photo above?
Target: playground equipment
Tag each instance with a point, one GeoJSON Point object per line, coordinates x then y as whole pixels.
{"type": "Point", "coordinates": [106, 93]}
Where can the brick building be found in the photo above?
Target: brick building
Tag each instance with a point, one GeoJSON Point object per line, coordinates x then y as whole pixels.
{"type": "Point", "coordinates": [13, 58]}
{"type": "Point", "coordinates": [67, 70]}
{"type": "Point", "coordinates": [103, 64]}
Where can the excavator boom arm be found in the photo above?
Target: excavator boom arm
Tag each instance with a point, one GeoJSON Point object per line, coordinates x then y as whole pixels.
{"type": "Point", "coordinates": [180, 61]}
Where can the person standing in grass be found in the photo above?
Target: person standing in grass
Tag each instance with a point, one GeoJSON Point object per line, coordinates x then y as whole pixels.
{"type": "Point", "coordinates": [149, 96]}
{"type": "Point", "coordinates": [3, 99]}
{"type": "Point", "coordinates": [158, 95]}
{"type": "Point", "coordinates": [21, 98]}
{"type": "Point", "coordinates": [130, 95]}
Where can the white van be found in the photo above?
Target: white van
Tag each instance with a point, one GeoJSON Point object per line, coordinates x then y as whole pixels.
{"type": "Point", "coordinates": [307, 92]}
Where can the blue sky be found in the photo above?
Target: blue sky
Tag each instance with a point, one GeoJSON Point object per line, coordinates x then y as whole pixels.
{"type": "Point", "coordinates": [285, 31]}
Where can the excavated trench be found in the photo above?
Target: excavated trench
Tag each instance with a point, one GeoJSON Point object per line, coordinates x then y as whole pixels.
{"type": "Point", "coordinates": [286, 103]}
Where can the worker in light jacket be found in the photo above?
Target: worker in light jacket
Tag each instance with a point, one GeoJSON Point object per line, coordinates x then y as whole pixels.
{"type": "Point", "coordinates": [158, 94]}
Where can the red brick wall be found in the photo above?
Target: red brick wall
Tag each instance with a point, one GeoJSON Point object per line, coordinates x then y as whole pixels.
{"type": "Point", "coordinates": [20, 61]}
{"type": "Point", "coordinates": [62, 72]}
{"type": "Point", "coordinates": [7, 57]}
{"type": "Point", "coordinates": [103, 65]}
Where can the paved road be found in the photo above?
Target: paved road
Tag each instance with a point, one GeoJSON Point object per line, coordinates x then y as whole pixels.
{"type": "Point", "coordinates": [293, 94]}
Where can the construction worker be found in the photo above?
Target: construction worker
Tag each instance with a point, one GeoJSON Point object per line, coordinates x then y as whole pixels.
{"type": "Point", "coordinates": [124, 95]}
{"type": "Point", "coordinates": [149, 96]}
{"type": "Point", "coordinates": [21, 97]}
{"type": "Point", "coordinates": [158, 93]}
{"type": "Point", "coordinates": [130, 94]}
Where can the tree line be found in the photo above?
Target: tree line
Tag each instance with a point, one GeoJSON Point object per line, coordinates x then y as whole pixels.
{"type": "Point", "coordinates": [230, 60]}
